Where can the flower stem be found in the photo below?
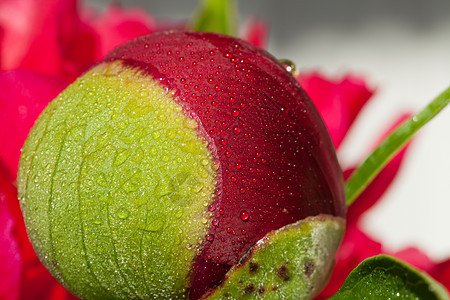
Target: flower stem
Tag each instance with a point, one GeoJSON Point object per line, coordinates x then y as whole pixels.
{"type": "Point", "coordinates": [218, 16]}
{"type": "Point", "coordinates": [375, 162]}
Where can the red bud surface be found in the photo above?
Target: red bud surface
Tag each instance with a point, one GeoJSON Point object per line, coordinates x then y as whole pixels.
{"type": "Point", "coordinates": [275, 161]}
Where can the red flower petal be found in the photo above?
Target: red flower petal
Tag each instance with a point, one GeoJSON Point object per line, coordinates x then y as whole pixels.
{"type": "Point", "coordinates": [256, 32]}
{"type": "Point", "coordinates": [117, 26]}
{"type": "Point", "coordinates": [10, 259]}
{"type": "Point", "coordinates": [46, 36]}
{"type": "Point", "coordinates": [24, 95]}
{"type": "Point", "coordinates": [416, 258]}
{"type": "Point", "coordinates": [34, 280]}
{"type": "Point", "coordinates": [338, 102]}
{"type": "Point", "coordinates": [441, 272]}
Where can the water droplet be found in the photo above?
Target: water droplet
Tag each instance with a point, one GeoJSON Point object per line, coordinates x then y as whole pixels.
{"type": "Point", "coordinates": [244, 215]}
{"type": "Point", "coordinates": [215, 222]}
{"type": "Point", "coordinates": [190, 123]}
{"type": "Point", "coordinates": [123, 214]}
{"type": "Point", "coordinates": [178, 213]}
{"type": "Point", "coordinates": [288, 65]}
{"type": "Point", "coordinates": [122, 124]}
{"type": "Point", "coordinates": [204, 220]}
{"type": "Point", "coordinates": [210, 237]}
{"type": "Point", "coordinates": [156, 223]}
{"type": "Point", "coordinates": [156, 134]}
{"type": "Point", "coordinates": [138, 155]}
{"type": "Point", "coordinates": [121, 157]}
{"type": "Point", "coordinates": [235, 112]}
{"type": "Point", "coordinates": [204, 161]}
{"type": "Point", "coordinates": [102, 180]}
{"type": "Point", "coordinates": [130, 186]}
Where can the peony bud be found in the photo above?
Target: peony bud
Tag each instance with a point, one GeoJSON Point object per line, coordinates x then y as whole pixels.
{"type": "Point", "coordinates": [180, 157]}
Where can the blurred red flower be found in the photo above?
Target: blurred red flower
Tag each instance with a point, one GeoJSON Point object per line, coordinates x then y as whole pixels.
{"type": "Point", "coordinates": [44, 45]}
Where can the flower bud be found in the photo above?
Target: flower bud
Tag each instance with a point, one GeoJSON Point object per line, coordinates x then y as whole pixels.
{"type": "Point", "coordinates": [180, 157]}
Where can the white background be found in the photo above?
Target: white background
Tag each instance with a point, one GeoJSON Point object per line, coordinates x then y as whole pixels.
{"type": "Point", "coordinates": [402, 48]}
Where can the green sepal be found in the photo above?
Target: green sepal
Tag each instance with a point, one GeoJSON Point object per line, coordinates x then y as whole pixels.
{"type": "Point", "coordinates": [384, 277]}
{"type": "Point", "coordinates": [293, 262]}
{"type": "Point", "coordinates": [218, 16]}
{"type": "Point", "coordinates": [375, 162]}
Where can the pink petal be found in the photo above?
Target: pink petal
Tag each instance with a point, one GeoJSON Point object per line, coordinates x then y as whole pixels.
{"type": "Point", "coordinates": [24, 95]}
{"type": "Point", "coordinates": [10, 258]}
{"type": "Point", "coordinates": [338, 101]}
{"type": "Point", "coordinates": [256, 32]}
{"type": "Point", "coordinates": [441, 272]}
{"type": "Point", "coordinates": [118, 25]}
{"type": "Point", "coordinates": [416, 258]}
{"type": "Point", "coordinates": [46, 36]}
{"type": "Point", "coordinates": [33, 281]}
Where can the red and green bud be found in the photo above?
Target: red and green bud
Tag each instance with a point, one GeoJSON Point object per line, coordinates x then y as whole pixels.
{"type": "Point", "coordinates": [180, 157]}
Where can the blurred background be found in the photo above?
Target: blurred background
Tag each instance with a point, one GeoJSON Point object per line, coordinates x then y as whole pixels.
{"type": "Point", "coordinates": [402, 48]}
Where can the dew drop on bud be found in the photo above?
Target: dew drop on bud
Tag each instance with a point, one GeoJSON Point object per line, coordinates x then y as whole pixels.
{"type": "Point", "coordinates": [288, 65]}
{"type": "Point", "coordinates": [244, 215]}
{"type": "Point", "coordinates": [210, 237]}
{"type": "Point", "coordinates": [190, 123]}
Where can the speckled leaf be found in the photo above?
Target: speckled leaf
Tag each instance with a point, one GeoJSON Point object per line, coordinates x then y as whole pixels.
{"type": "Point", "coordinates": [289, 263]}
{"type": "Point", "coordinates": [384, 277]}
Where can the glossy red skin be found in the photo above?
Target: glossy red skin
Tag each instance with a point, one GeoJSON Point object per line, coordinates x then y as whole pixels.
{"type": "Point", "coordinates": [277, 161]}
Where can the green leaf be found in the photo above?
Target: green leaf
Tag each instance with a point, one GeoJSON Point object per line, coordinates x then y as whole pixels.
{"type": "Point", "coordinates": [293, 262]}
{"type": "Point", "coordinates": [373, 164]}
{"type": "Point", "coordinates": [215, 16]}
{"type": "Point", "coordinates": [384, 277]}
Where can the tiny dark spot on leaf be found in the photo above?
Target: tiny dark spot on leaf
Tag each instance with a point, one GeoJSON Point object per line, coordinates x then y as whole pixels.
{"type": "Point", "coordinates": [274, 287]}
{"type": "Point", "coordinates": [262, 290]}
{"type": "Point", "coordinates": [310, 267]}
{"type": "Point", "coordinates": [240, 281]}
{"type": "Point", "coordinates": [249, 288]}
{"type": "Point", "coordinates": [253, 267]}
{"type": "Point", "coordinates": [283, 272]}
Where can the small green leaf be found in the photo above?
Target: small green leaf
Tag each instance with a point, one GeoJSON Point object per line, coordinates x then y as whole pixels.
{"type": "Point", "coordinates": [384, 277]}
{"type": "Point", "coordinates": [215, 16]}
{"type": "Point", "coordinates": [373, 164]}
